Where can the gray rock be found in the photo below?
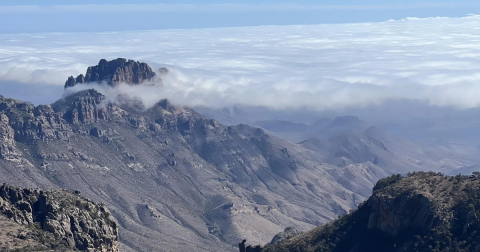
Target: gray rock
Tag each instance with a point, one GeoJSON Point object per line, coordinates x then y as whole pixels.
{"type": "Point", "coordinates": [289, 232]}
{"type": "Point", "coordinates": [74, 221]}
{"type": "Point", "coordinates": [115, 72]}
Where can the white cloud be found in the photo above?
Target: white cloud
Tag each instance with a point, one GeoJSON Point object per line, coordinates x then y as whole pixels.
{"type": "Point", "coordinates": [226, 7]}
{"type": "Point", "coordinates": [433, 60]}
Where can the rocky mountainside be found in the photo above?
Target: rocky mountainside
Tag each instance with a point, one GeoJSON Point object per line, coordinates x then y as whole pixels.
{"type": "Point", "coordinates": [362, 153]}
{"type": "Point", "coordinates": [35, 220]}
{"type": "Point", "coordinates": [420, 212]}
{"type": "Point", "coordinates": [173, 179]}
{"type": "Point", "coordinates": [114, 72]}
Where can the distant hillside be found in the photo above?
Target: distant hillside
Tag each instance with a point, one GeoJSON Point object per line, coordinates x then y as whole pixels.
{"type": "Point", "coordinates": [421, 212]}
{"type": "Point", "coordinates": [322, 128]}
{"type": "Point", "coordinates": [465, 170]}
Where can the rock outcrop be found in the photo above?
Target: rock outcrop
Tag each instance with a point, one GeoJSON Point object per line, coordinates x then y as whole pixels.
{"type": "Point", "coordinates": [60, 220]}
{"type": "Point", "coordinates": [289, 232]}
{"type": "Point", "coordinates": [421, 212]}
{"type": "Point", "coordinates": [114, 72]}
{"type": "Point", "coordinates": [8, 149]}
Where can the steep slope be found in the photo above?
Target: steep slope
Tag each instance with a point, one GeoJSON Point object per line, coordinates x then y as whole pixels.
{"type": "Point", "coordinates": [33, 220]}
{"type": "Point", "coordinates": [173, 179]}
{"type": "Point", "coordinates": [421, 212]}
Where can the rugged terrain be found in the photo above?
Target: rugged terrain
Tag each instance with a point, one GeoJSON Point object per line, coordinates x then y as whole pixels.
{"type": "Point", "coordinates": [172, 178]}
{"type": "Point", "coordinates": [420, 212]}
{"type": "Point", "coordinates": [35, 220]}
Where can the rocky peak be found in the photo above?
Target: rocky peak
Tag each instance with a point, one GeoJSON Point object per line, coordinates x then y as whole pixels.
{"type": "Point", "coordinates": [115, 72]}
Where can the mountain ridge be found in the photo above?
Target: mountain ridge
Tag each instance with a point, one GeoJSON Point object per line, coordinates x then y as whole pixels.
{"type": "Point", "coordinates": [176, 180]}
{"type": "Point", "coordinates": [173, 179]}
{"type": "Point", "coordinates": [419, 212]}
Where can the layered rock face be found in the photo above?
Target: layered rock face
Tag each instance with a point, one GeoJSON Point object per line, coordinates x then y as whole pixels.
{"type": "Point", "coordinates": [114, 72]}
{"type": "Point", "coordinates": [401, 213]}
{"type": "Point", "coordinates": [8, 149]}
{"type": "Point", "coordinates": [60, 220]}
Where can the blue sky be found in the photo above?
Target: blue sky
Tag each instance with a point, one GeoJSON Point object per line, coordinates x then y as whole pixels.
{"type": "Point", "coordinates": [27, 16]}
{"type": "Point", "coordinates": [52, 2]}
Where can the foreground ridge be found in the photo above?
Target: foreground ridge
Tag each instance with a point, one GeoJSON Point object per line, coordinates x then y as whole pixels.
{"type": "Point", "coordinates": [36, 220]}
{"type": "Point", "coordinates": [420, 212]}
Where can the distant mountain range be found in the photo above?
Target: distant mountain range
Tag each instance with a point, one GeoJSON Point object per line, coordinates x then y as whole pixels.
{"type": "Point", "coordinates": [176, 180]}
{"type": "Point", "coordinates": [414, 120]}
{"type": "Point", "coordinates": [322, 128]}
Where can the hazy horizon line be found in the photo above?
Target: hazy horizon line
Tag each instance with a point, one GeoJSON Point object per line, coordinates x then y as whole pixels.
{"type": "Point", "coordinates": [226, 7]}
{"type": "Point", "coordinates": [407, 18]}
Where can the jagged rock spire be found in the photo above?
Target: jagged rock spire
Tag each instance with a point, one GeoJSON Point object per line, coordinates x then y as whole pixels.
{"type": "Point", "coordinates": [114, 72]}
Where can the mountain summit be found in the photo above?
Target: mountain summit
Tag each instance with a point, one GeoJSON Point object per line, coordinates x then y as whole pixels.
{"type": "Point", "coordinates": [115, 72]}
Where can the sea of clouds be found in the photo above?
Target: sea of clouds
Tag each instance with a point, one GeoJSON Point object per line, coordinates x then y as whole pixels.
{"type": "Point", "coordinates": [435, 61]}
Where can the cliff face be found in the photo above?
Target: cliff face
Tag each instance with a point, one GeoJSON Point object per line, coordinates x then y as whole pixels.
{"type": "Point", "coordinates": [401, 213]}
{"type": "Point", "coordinates": [59, 220]}
{"type": "Point", "coordinates": [114, 72]}
{"type": "Point", "coordinates": [421, 212]}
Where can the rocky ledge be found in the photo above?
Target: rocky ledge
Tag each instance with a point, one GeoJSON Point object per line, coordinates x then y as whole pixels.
{"type": "Point", "coordinates": [35, 220]}
{"type": "Point", "coordinates": [115, 72]}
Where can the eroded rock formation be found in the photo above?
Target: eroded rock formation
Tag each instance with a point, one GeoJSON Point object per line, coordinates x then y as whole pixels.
{"type": "Point", "coordinates": [114, 72]}
{"type": "Point", "coordinates": [289, 232]}
{"type": "Point", "coordinates": [74, 222]}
